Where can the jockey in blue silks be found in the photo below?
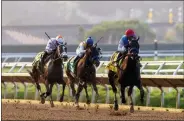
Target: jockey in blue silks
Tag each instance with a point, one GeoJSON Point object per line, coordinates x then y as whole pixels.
{"type": "Point", "coordinates": [124, 45]}
{"type": "Point", "coordinates": [81, 49]}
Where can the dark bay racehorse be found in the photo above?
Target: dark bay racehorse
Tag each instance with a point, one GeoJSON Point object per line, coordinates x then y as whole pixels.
{"type": "Point", "coordinates": [53, 73]}
{"type": "Point", "coordinates": [127, 75]}
{"type": "Point", "coordinates": [85, 73]}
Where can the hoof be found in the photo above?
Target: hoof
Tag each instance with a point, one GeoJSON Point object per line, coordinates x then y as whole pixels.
{"type": "Point", "coordinates": [116, 107]}
{"type": "Point", "coordinates": [131, 109]}
{"type": "Point", "coordinates": [88, 102]}
{"type": "Point", "coordinates": [61, 100]}
{"type": "Point", "coordinates": [42, 100]}
{"type": "Point", "coordinates": [52, 104]}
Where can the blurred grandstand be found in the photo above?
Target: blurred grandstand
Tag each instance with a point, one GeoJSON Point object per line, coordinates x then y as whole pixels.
{"type": "Point", "coordinates": [24, 22]}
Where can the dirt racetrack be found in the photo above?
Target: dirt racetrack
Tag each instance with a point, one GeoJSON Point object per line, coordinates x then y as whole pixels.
{"type": "Point", "coordinates": [33, 110]}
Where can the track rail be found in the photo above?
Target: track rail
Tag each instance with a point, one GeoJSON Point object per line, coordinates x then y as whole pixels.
{"type": "Point", "coordinates": [159, 81]}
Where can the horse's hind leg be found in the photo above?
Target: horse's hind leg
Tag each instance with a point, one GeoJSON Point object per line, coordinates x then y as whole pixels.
{"type": "Point", "coordinates": [111, 81]}
{"type": "Point", "coordinates": [141, 91]}
{"type": "Point", "coordinates": [80, 87]}
{"type": "Point", "coordinates": [41, 94]}
{"type": "Point", "coordinates": [131, 100]}
{"type": "Point", "coordinates": [36, 78]}
{"type": "Point", "coordinates": [87, 96]}
{"type": "Point", "coordinates": [73, 89]}
{"type": "Point", "coordinates": [62, 95]}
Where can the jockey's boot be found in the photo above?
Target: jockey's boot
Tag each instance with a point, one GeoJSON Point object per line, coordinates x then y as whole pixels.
{"type": "Point", "coordinates": [42, 61]}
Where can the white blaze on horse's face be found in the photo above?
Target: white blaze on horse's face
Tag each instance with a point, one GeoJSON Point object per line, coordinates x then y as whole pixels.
{"type": "Point", "coordinates": [64, 54]}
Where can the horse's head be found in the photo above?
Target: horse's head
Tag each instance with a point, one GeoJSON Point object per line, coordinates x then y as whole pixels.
{"type": "Point", "coordinates": [61, 51]}
{"type": "Point", "coordinates": [133, 50]}
{"type": "Point", "coordinates": [94, 55]}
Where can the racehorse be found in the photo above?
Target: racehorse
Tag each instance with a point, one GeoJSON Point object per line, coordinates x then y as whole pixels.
{"type": "Point", "coordinates": [85, 73]}
{"type": "Point", "coordinates": [53, 72]}
{"type": "Point", "coordinates": [127, 75]}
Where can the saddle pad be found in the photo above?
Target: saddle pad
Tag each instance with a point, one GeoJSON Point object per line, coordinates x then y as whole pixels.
{"type": "Point", "coordinates": [71, 64]}
{"type": "Point", "coordinates": [110, 65]}
{"type": "Point", "coordinates": [37, 59]}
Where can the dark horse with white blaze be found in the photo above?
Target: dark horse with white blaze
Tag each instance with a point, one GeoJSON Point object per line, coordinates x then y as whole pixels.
{"type": "Point", "coordinates": [128, 74]}
{"type": "Point", "coordinates": [85, 73]}
{"type": "Point", "coordinates": [53, 72]}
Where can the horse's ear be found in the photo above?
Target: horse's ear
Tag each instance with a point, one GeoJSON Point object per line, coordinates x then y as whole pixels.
{"type": "Point", "coordinates": [99, 49]}
{"type": "Point", "coordinates": [138, 38]}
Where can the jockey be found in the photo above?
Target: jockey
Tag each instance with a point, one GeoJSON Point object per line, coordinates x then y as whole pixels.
{"type": "Point", "coordinates": [124, 44]}
{"type": "Point", "coordinates": [82, 48]}
{"type": "Point", "coordinates": [51, 47]}
{"type": "Point", "coordinates": [124, 41]}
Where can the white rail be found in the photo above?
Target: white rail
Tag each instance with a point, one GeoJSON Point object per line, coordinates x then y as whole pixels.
{"type": "Point", "coordinates": [148, 67]}
{"type": "Point", "coordinates": [159, 81]}
{"type": "Point", "coordinates": [19, 56]}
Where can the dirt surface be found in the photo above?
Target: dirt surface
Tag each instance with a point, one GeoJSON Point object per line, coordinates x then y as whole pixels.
{"type": "Point", "coordinates": [33, 110]}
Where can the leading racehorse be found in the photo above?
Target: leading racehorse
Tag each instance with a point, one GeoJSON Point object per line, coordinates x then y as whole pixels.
{"type": "Point", "coordinates": [85, 72]}
{"type": "Point", "coordinates": [53, 72]}
{"type": "Point", "coordinates": [128, 74]}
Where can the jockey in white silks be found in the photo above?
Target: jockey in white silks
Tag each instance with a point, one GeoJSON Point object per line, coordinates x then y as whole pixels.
{"type": "Point", "coordinates": [51, 47]}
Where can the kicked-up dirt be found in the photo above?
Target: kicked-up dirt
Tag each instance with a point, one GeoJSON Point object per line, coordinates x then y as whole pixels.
{"type": "Point", "coordinates": [33, 110]}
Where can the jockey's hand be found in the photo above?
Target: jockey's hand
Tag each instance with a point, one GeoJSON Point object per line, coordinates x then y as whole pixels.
{"type": "Point", "coordinates": [83, 51]}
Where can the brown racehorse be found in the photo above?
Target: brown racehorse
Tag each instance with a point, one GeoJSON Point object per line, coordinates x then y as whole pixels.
{"type": "Point", "coordinates": [85, 73]}
{"type": "Point", "coordinates": [128, 74]}
{"type": "Point", "coordinates": [53, 73]}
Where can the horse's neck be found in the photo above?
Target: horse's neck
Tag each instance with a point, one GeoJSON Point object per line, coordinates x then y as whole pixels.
{"type": "Point", "coordinates": [83, 61]}
{"type": "Point", "coordinates": [55, 58]}
{"type": "Point", "coordinates": [131, 63]}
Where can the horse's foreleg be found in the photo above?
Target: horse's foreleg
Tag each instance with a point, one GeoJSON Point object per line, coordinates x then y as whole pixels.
{"type": "Point", "coordinates": [62, 95]}
{"type": "Point", "coordinates": [80, 87]}
{"type": "Point", "coordinates": [123, 100]}
{"type": "Point", "coordinates": [87, 96]}
{"type": "Point", "coordinates": [131, 100]}
{"type": "Point", "coordinates": [47, 89]}
{"type": "Point", "coordinates": [111, 81]}
{"type": "Point", "coordinates": [96, 90]}
{"type": "Point", "coordinates": [141, 92]}
{"type": "Point", "coordinates": [50, 91]}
